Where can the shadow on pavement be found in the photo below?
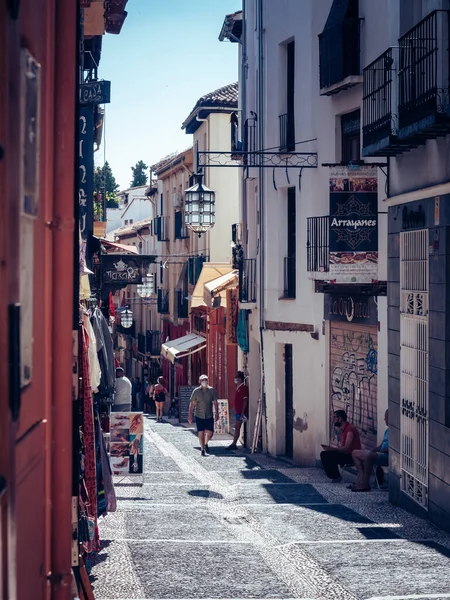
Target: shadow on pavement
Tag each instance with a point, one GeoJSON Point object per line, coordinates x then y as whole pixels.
{"type": "Point", "coordinates": [205, 494]}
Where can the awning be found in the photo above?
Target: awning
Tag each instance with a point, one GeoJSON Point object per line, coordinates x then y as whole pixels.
{"type": "Point", "coordinates": [209, 272]}
{"type": "Point", "coordinates": [121, 247]}
{"type": "Point", "coordinates": [183, 346]}
{"type": "Point", "coordinates": [214, 293]}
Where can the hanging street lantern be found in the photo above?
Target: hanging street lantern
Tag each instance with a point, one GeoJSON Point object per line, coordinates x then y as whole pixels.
{"type": "Point", "coordinates": [147, 287]}
{"type": "Point", "coordinates": [199, 212]}
{"type": "Point", "coordinates": [126, 318]}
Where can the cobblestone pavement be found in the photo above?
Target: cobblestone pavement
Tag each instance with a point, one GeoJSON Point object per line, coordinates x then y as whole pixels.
{"type": "Point", "coordinates": [237, 526]}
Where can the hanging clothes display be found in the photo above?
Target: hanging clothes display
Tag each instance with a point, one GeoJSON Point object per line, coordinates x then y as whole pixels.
{"type": "Point", "coordinates": [105, 352]}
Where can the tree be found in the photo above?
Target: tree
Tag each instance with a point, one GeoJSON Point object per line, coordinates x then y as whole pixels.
{"type": "Point", "coordinates": [105, 183]}
{"type": "Point", "coordinates": [140, 177]}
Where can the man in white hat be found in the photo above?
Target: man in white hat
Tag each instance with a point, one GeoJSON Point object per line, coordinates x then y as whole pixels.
{"type": "Point", "coordinates": [203, 398]}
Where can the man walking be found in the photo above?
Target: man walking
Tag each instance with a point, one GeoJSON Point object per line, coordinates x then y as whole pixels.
{"type": "Point", "coordinates": [122, 392]}
{"type": "Point", "coordinates": [333, 456]}
{"type": "Point", "coordinates": [240, 407]}
{"type": "Point", "coordinates": [203, 399]}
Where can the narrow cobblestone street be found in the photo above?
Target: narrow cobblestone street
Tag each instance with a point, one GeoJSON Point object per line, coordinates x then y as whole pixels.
{"type": "Point", "coordinates": [235, 526]}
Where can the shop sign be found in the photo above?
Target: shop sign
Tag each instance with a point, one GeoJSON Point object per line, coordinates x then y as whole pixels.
{"type": "Point", "coordinates": [231, 322]}
{"type": "Point", "coordinates": [121, 268]}
{"type": "Point", "coordinates": [95, 92]}
{"type": "Point", "coordinates": [353, 225]}
{"type": "Point", "coordinates": [222, 425]}
{"type": "Point", "coordinates": [126, 447]}
{"type": "Point", "coordinates": [86, 171]}
{"type": "Point", "coordinates": [350, 308]}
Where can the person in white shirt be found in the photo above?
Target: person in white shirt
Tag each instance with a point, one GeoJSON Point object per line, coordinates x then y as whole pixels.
{"type": "Point", "coordinates": [122, 393]}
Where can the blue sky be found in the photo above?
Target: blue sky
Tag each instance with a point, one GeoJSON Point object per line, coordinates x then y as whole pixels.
{"type": "Point", "coordinates": [166, 57]}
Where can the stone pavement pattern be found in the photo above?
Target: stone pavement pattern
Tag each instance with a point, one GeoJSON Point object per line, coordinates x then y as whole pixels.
{"type": "Point", "coordinates": [237, 526]}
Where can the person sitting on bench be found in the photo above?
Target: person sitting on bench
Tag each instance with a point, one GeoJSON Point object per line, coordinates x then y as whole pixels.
{"type": "Point", "coordinates": [365, 460]}
{"type": "Point", "coordinates": [332, 456]}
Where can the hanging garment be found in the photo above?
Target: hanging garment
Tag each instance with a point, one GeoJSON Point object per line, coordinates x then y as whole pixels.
{"type": "Point", "coordinates": [110, 493]}
{"type": "Point", "coordinates": [105, 352]}
{"type": "Point", "coordinates": [85, 397]}
{"type": "Point", "coordinates": [242, 331]}
{"type": "Point", "coordinates": [95, 372]}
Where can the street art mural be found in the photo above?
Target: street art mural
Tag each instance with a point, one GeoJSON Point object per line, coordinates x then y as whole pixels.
{"type": "Point", "coordinates": [353, 379]}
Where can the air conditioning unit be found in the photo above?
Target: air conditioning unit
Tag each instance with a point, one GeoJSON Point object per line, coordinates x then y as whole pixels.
{"type": "Point", "coordinates": [177, 200]}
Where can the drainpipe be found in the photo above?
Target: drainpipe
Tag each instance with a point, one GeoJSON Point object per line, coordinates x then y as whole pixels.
{"type": "Point", "coordinates": [62, 291]}
{"type": "Point", "coordinates": [261, 121]}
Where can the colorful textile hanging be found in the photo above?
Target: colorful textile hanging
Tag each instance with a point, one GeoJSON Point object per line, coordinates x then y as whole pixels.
{"type": "Point", "coordinates": [242, 331]}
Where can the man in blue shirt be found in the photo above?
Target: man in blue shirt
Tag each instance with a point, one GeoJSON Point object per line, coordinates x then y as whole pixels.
{"type": "Point", "coordinates": [365, 460]}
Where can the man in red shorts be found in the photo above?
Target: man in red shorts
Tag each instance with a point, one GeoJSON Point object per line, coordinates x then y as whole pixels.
{"type": "Point", "coordinates": [240, 406]}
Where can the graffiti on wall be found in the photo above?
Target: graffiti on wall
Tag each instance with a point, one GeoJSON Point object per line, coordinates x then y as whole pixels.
{"type": "Point", "coordinates": [353, 379]}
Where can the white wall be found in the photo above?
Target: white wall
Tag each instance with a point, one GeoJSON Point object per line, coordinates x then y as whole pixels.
{"type": "Point", "coordinates": [318, 119]}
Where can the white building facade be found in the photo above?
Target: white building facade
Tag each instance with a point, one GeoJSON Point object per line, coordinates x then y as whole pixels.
{"type": "Point", "coordinates": [134, 206]}
{"type": "Point", "coordinates": [351, 100]}
{"type": "Point", "coordinates": [301, 130]}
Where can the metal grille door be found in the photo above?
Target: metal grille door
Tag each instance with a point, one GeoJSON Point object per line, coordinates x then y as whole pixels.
{"type": "Point", "coordinates": [414, 364]}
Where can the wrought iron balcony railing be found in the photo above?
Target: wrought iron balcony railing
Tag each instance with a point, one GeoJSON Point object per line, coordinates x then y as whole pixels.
{"type": "Point", "coordinates": [181, 304]}
{"type": "Point", "coordinates": [339, 51]}
{"type": "Point", "coordinates": [424, 102]}
{"type": "Point", "coordinates": [380, 106]}
{"type": "Point", "coordinates": [153, 342]}
{"type": "Point", "coordinates": [289, 276]}
{"type": "Point", "coordinates": [247, 280]}
{"type": "Point", "coordinates": [287, 132]}
{"type": "Point", "coordinates": [163, 301]}
{"type": "Point", "coordinates": [317, 244]}
{"type": "Point", "coordinates": [161, 228]}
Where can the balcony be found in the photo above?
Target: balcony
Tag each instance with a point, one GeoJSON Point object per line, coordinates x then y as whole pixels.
{"type": "Point", "coordinates": [181, 304]}
{"type": "Point", "coordinates": [153, 342]}
{"type": "Point", "coordinates": [287, 132]}
{"type": "Point", "coordinates": [339, 55]}
{"type": "Point", "coordinates": [247, 281]}
{"type": "Point", "coordinates": [423, 79]}
{"type": "Point", "coordinates": [317, 244]}
{"type": "Point", "coordinates": [161, 228]}
{"type": "Point", "coordinates": [289, 277]}
{"type": "Point", "coordinates": [163, 301]}
{"type": "Point", "coordinates": [195, 264]}
{"type": "Point", "coordinates": [380, 106]}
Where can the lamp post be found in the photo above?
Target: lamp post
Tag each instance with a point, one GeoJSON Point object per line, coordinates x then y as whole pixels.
{"type": "Point", "coordinates": [147, 287]}
{"type": "Point", "coordinates": [199, 212]}
{"type": "Point", "coordinates": [126, 318]}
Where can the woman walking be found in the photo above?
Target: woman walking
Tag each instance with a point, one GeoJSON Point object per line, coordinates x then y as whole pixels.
{"type": "Point", "coordinates": [159, 396]}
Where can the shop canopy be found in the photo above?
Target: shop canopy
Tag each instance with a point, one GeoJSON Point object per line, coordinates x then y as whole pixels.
{"type": "Point", "coordinates": [214, 293]}
{"type": "Point", "coordinates": [209, 272]}
{"type": "Point", "coordinates": [120, 247]}
{"type": "Point", "coordinates": [183, 346]}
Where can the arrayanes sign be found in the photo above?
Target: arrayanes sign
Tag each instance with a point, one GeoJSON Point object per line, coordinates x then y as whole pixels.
{"type": "Point", "coordinates": [354, 224]}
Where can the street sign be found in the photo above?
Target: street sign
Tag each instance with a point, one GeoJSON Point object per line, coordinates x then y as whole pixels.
{"type": "Point", "coordinates": [95, 92]}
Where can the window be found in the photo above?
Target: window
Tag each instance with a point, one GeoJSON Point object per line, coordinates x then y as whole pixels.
{"type": "Point", "coordinates": [290, 259]}
{"type": "Point", "coordinates": [161, 212]}
{"type": "Point", "coordinates": [131, 221]}
{"type": "Point", "coordinates": [126, 221]}
{"type": "Point", "coordinates": [287, 120]}
{"type": "Point", "coordinates": [351, 137]}
{"type": "Point", "coordinates": [180, 230]}
{"type": "Point", "coordinates": [161, 272]}
{"type": "Point", "coordinates": [339, 46]}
